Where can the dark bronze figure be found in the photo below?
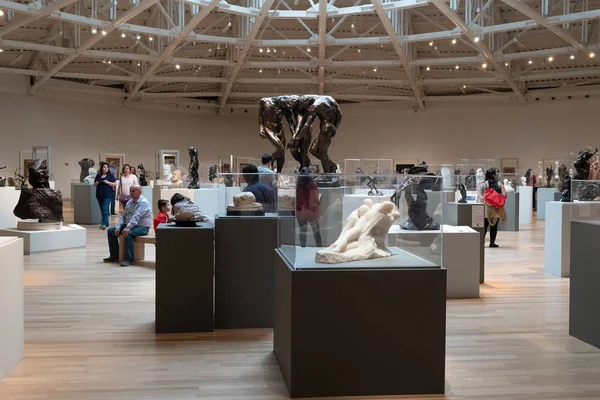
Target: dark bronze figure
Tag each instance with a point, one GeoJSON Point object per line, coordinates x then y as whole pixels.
{"type": "Point", "coordinates": [416, 199]}
{"type": "Point", "coordinates": [85, 165]}
{"type": "Point", "coordinates": [549, 174]}
{"type": "Point", "coordinates": [142, 175]}
{"type": "Point", "coordinates": [582, 164]}
{"type": "Point", "coordinates": [463, 193]}
{"type": "Point", "coordinates": [193, 168]}
{"type": "Point", "coordinates": [212, 173]}
{"type": "Point", "coordinates": [40, 202]}
{"type": "Point", "coordinates": [271, 112]}
{"type": "Point", "coordinates": [370, 182]}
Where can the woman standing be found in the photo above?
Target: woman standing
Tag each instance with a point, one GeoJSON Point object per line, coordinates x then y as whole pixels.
{"type": "Point", "coordinates": [105, 183]}
{"type": "Point", "coordinates": [492, 214]}
{"type": "Point", "coordinates": [126, 181]}
{"type": "Point", "coordinates": [307, 207]}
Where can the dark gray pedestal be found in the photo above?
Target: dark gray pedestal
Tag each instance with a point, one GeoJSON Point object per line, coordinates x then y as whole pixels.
{"type": "Point", "coordinates": [584, 320]}
{"type": "Point", "coordinates": [512, 213]}
{"type": "Point", "coordinates": [244, 282]}
{"type": "Point", "coordinates": [360, 332]}
{"type": "Point", "coordinates": [461, 214]}
{"type": "Point", "coordinates": [330, 209]}
{"type": "Point", "coordinates": [184, 278]}
{"type": "Point", "coordinates": [85, 206]}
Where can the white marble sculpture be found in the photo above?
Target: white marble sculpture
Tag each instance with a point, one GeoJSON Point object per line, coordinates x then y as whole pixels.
{"type": "Point", "coordinates": [363, 236]}
{"type": "Point", "coordinates": [244, 201]}
{"type": "Point", "coordinates": [508, 187]}
{"type": "Point", "coordinates": [167, 175]}
{"type": "Point", "coordinates": [479, 177]}
{"type": "Point", "coordinates": [286, 200]}
{"type": "Point", "coordinates": [176, 179]}
{"type": "Point", "coordinates": [92, 172]}
{"type": "Point", "coordinates": [523, 181]}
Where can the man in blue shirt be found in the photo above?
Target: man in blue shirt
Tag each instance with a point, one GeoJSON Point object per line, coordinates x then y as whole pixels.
{"type": "Point", "coordinates": [135, 221]}
{"type": "Point", "coordinates": [263, 193]}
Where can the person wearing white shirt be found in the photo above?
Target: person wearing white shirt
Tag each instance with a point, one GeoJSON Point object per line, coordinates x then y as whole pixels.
{"type": "Point", "coordinates": [126, 181]}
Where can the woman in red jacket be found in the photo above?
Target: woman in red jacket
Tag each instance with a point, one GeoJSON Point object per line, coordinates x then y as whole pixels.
{"type": "Point", "coordinates": [307, 206]}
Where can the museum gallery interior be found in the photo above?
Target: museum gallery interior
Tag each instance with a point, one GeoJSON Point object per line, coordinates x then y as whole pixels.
{"type": "Point", "coordinates": [274, 199]}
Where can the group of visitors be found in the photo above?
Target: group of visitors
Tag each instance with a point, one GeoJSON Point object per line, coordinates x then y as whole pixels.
{"type": "Point", "coordinates": [107, 188]}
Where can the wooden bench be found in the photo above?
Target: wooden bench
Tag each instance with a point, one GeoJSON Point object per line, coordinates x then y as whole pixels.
{"type": "Point", "coordinates": [139, 251]}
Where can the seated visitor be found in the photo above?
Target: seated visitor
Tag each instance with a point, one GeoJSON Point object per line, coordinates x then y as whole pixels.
{"type": "Point", "coordinates": [134, 222]}
{"type": "Point", "coordinates": [266, 174]}
{"type": "Point", "coordinates": [163, 213]}
{"type": "Point", "coordinates": [263, 193]}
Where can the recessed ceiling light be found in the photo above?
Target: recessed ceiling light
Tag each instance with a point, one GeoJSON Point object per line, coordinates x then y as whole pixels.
{"type": "Point", "coordinates": [177, 66]}
{"type": "Point", "coordinates": [506, 64]}
{"type": "Point", "coordinates": [94, 30]}
{"type": "Point", "coordinates": [550, 59]}
{"type": "Point", "coordinates": [138, 37]}
{"type": "Point", "coordinates": [464, 86]}
{"type": "Point", "coordinates": [104, 33]}
{"type": "Point", "coordinates": [150, 38]}
{"type": "Point", "coordinates": [453, 41]}
{"type": "Point", "coordinates": [260, 50]}
{"type": "Point", "coordinates": [1, 13]}
{"type": "Point", "coordinates": [484, 65]}
{"type": "Point", "coordinates": [260, 70]}
{"type": "Point", "coordinates": [427, 68]}
{"type": "Point", "coordinates": [123, 35]}
{"type": "Point", "coordinates": [476, 39]}
{"type": "Point", "coordinates": [308, 49]}
{"type": "Point", "coordinates": [572, 57]}
{"type": "Point", "coordinates": [431, 43]}
{"type": "Point", "coordinates": [530, 62]}
{"type": "Point", "coordinates": [592, 55]}
{"type": "Point", "coordinates": [374, 69]}
{"type": "Point", "coordinates": [457, 67]}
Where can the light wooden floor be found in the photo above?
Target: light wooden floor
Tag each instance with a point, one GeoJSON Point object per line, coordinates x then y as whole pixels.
{"type": "Point", "coordinates": [89, 335]}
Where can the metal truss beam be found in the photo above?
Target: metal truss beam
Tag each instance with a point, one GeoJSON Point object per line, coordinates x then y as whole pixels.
{"type": "Point", "coordinates": [34, 16]}
{"type": "Point", "coordinates": [498, 66]}
{"type": "Point", "coordinates": [166, 52]}
{"type": "Point", "coordinates": [258, 20]}
{"type": "Point", "coordinates": [413, 38]}
{"type": "Point", "coordinates": [540, 20]}
{"type": "Point", "coordinates": [398, 48]}
{"type": "Point", "coordinates": [126, 16]}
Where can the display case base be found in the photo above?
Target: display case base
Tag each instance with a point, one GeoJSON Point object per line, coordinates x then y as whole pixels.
{"type": "Point", "coordinates": [360, 332]}
{"type": "Point", "coordinates": [545, 195]}
{"type": "Point", "coordinates": [12, 311]}
{"type": "Point", "coordinates": [525, 205]}
{"type": "Point", "coordinates": [85, 205]}
{"type": "Point", "coordinates": [584, 296]}
{"type": "Point", "coordinates": [67, 237]}
{"type": "Point", "coordinates": [9, 197]}
{"type": "Point", "coordinates": [511, 207]}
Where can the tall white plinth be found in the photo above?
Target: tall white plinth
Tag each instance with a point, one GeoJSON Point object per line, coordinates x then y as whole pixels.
{"type": "Point", "coordinates": [461, 249]}
{"type": "Point", "coordinates": [525, 204]}
{"type": "Point", "coordinates": [11, 304]}
{"type": "Point", "coordinates": [9, 197]}
{"type": "Point", "coordinates": [67, 237]}
{"type": "Point", "coordinates": [557, 253]}
{"type": "Point", "coordinates": [544, 196]}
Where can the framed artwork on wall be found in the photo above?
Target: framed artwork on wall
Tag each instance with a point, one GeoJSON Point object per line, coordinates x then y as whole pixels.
{"type": "Point", "coordinates": [115, 161]}
{"type": "Point", "coordinates": [164, 158]}
{"type": "Point", "coordinates": [25, 158]}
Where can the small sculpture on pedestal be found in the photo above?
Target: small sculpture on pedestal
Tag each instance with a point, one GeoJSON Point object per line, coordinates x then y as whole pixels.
{"type": "Point", "coordinates": [582, 164]}
{"type": "Point", "coordinates": [549, 175]}
{"type": "Point", "coordinates": [416, 199]}
{"type": "Point", "coordinates": [363, 237]}
{"type": "Point", "coordinates": [463, 193]}
{"type": "Point", "coordinates": [245, 204]}
{"type": "Point", "coordinates": [212, 173]}
{"type": "Point", "coordinates": [523, 181]}
{"type": "Point", "coordinates": [228, 180]}
{"type": "Point", "coordinates": [186, 213]}
{"type": "Point", "coordinates": [167, 174]}
{"type": "Point", "coordinates": [176, 179]}
{"type": "Point", "coordinates": [479, 178]}
{"type": "Point", "coordinates": [142, 177]}
{"type": "Point", "coordinates": [370, 182]}
{"type": "Point", "coordinates": [193, 168]}
{"type": "Point", "coordinates": [595, 171]}
{"type": "Point", "coordinates": [89, 180]}
{"type": "Point", "coordinates": [589, 192]}
{"type": "Point", "coordinates": [40, 202]}
{"type": "Point", "coordinates": [85, 165]}
{"type": "Point", "coordinates": [508, 187]}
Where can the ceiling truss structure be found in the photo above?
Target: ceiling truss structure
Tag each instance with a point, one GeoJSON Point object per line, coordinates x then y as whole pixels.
{"type": "Point", "coordinates": [232, 53]}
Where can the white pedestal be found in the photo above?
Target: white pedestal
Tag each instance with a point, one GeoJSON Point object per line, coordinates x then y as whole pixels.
{"type": "Point", "coordinates": [559, 215]}
{"type": "Point", "coordinates": [545, 195]}
{"type": "Point", "coordinates": [11, 304]}
{"type": "Point", "coordinates": [351, 202]}
{"type": "Point", "coordinates": [147, 193]}
{"type": "Point", "coordinates": [461, 249]}
{"type": "Point", "coordinates": [9, 197]}
{"type": "Point", "coordinates": [525, 204]}
{"type": "Point", "coordinates": [67, 237]}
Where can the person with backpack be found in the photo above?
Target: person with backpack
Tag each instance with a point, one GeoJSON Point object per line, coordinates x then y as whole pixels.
{"type": "Point", "coordinates": [494, 196]}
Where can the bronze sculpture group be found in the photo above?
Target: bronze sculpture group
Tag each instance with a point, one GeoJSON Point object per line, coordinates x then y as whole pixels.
{"type": "Point", "coordinates": [300, 111]}
{"type": "Point", "coordinates": [582, 172]}
{"type": "Point", "coordinates": [40, 202]}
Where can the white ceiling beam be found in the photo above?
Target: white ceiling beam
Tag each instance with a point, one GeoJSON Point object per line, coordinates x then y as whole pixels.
{"type": "Point", "coordinates": [251, 95]}
{"type": "Point", "coordinates": [540, 20]}
{"type": "Point", "coordinates": [258, 20]}
{"type": "Point", "coordinates": [127, 15]}
{"type": "Point", "coordinates": [480, 43]}
{"type": "Point", "coordinates": [166, 52]}
{"type": "Point", "coordinates": [322, 36]}
{"type": "Point", "coordinates": [401, 55]}
{"type": "Point", "coordinates": [34, 16]}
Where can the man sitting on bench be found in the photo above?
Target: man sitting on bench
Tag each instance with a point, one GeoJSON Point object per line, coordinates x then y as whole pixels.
{"type": "Point", "coordinates": [135, 221]}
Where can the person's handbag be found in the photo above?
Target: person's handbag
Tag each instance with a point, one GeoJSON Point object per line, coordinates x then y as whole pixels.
{"type": "Point", "coordinates": [493, 198]}
{"type": "Point", "coordinates": [123, 199]}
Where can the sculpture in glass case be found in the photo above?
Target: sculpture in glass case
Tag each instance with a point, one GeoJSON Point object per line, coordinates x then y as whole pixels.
{"type": "Point", "coordinates": [595, 171]}
{"type": "Point", "coordinates": [85, 164]}
{"type": "Point", "coordinates": [479, 178]}
{"type": "Point", "coordinates": [370, 183]}
{"type": "Point", "coordinates": [167, 174]}
{"type": "Point", "coordinates": [590, 192]}
{"type": "Point", "coordinates": [212, 173]}
{"type": "Point", "coordinates": [549, 175]}
{"type": "Point", "coordinates": [508, 187]}
{"type": "Point", "coordinates": [176, 179]}
{"type": "Point", "coordinates": [4, 181]}
{"type": "Point", "coordinates": [416, 199]}
{"type": "Point", "coordinates": [245, 204]}
{"type": "Point", "coordinates": [89, 180]}
{"type": "Point", "coordinates": [193, 168]}
{"type": "Point", "coordinates": [142, 175]}
{"type": "Point", "coordinates": [523, 181]}
{"type": "Point", "coordinates": [40, 202]}
{"type": "Point", "coordinates": [185, 212]}
{"type": "Point", "coordinates": [582, 164]}
{"type": "Point", "coordinates": [363, 237]}
{"type": "Point", "coordinates": [463, 193]}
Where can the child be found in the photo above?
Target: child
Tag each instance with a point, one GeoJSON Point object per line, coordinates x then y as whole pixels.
{"type": "Point", "coordinates": [163, 214]}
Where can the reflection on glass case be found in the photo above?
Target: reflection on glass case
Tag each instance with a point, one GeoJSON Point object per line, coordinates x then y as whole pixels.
{"type": "Point", "coordinates": [466, 164]}
{"type": "Point", "coordinates": [582, 191]}
{"type": "Point", "coordinates": [368, 166]}
{"type": "Point", "coordinates": [350, 226]}
{"type": "Point", "coordinates": [167, 161]}
{"type": "Point", "coordinates": [551, 172]}
{"type": "Point", "coordinates": [465, 189]}
{"type": "Point", "coordinates": [511, 181]}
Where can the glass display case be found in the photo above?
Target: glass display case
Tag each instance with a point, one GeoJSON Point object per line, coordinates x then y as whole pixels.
{"type": "Point", "coordinates": [468, 190]}
{"type": "Point", "coordinates": [359, 225]}
{"type": "Point", "coordinates": [368, 166]}
{"type": "Point", "coordinates": [167, 161]}
{"type": "Point", "coordinates": [551, 172]}
{"type": "Point", "coordinates": [466, 164]}
{"type": "Point", "coordinates": [446, 171]}
{"type": "Point", "coordinates": [585, 191]}
{"type": "Point", "coordinates": [514, 180]}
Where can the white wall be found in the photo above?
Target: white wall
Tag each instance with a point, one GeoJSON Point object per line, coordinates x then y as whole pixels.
{"type": "Point", "coordinates": [444, 133]}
